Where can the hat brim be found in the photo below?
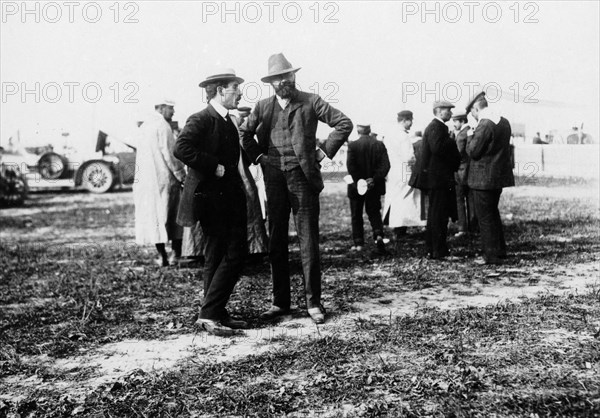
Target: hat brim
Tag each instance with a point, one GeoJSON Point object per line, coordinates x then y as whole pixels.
{"type": "Point", "coordinates": [472, 102]}
{"type": "Point", "coordinates": [212, 80]}
{"type": "Point", "coordinates": [267, 79]}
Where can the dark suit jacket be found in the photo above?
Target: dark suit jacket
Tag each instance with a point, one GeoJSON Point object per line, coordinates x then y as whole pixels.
{"type": "Point", "coordinates": [461, 144]}
{"type": "Point", "coordinates": [196, 147]}
{"type": "Point", "coordinates": [368, 158]}
{"type": "Point", "coordinates": [439, 158]}
{"type": "Point", "coordinates": [489, 148]}
{"type": "Point", "coordinates": [306, 111]}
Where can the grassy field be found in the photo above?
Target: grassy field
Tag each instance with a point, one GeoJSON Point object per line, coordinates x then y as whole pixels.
{"type": "Point", "coordinates": [406, 336]}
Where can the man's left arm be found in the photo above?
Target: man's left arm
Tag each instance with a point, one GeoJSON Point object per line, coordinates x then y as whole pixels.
{"type": "Point", "coordinates": [334, 118]}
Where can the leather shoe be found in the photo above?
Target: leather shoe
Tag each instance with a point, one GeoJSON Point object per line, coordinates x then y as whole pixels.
{"type": "Point", "coordinates": [380, 245]}
{"type": "Point", "coordinates": [273, 313]}
{"type": "Point", "coordinates": [317, 314]}
{"type": "Point", "coordinates": [214, 327]}
{"type": "Point", "coordinates": [234, 323]}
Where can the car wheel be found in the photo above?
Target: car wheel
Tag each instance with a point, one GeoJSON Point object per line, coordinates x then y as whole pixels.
{"type": "Point", "coordinates": [51, 166]}
{"type": "Point", "coordinates": [97, 177]}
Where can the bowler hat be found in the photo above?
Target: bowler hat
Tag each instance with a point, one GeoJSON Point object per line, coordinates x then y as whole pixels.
{"type": "Point", "coordinates": [244, 109]}
{"type": "Point", "coordinates": [459, 116]}
{"type": "Point", "coordinates": [443, 104]}
{"type": "Point", "coordinates": [278, 65]}
{"type": "Point", "coordinates": [226, 74]}
{"type": "Point", "coordinates": [474, 100]}
{"type": "Point", "coordinates": [405, 115]}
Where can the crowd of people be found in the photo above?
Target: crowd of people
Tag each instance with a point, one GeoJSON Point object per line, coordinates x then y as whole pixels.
{"type": "Point", "coordinates": [198, 190]}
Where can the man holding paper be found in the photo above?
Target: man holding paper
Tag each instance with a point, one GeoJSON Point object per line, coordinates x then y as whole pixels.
{"type": "Point", "coordinates": [367, 162]}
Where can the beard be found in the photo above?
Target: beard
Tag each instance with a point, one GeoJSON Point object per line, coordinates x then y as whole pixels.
{"type": "Point", "coordinates": [285, 90]}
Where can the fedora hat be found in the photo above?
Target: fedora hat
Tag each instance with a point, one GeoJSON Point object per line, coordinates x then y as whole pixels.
{"type": "Point", "coordinates": [278, 65]}
{"type": "Point", "coordinates": [225, 74]}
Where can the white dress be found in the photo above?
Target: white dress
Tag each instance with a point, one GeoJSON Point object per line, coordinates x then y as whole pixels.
{"type": "Point", "coordinates": [401, 201]}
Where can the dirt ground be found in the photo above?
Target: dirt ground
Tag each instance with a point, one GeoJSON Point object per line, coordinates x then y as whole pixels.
{"type": "Point", "coordinates": [80, 229]}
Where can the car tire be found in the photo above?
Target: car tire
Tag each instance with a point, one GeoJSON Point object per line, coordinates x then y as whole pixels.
{"type": "Point", "coordinates": [97, 177]}
{"type": "Point", "coordinates": [52, 166]}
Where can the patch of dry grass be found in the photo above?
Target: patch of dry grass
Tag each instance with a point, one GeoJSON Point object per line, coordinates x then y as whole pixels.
{"type": "Point", "coordinates": [71, 280]}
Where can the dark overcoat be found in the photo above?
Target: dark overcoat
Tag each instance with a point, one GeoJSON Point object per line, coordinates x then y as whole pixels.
{"type": "Point", "coordinates": [197, 147]}
{"type": "Point", "coordinates": [439, 158]}
{"type": "Point", "coordinates": [489, 148]}
{"type": "Point", "coordinates": [367, 158]}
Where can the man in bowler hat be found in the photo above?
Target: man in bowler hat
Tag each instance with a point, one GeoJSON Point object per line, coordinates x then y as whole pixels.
{"type": "Point", "coordinates": [439, 160]}
{"type": "Point", "coordinates": [368, 160]}
{"type": "Point", "coordinates": [287, 149]}
{"type": "Point", "coordinates": [213, 194]}
{"type": "Point", "coordinates": [490, 170]}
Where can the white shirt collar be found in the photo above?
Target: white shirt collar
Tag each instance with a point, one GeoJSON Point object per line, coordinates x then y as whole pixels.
{"type": "Point", "coordinates": [282, 102]}
{"type": "Point", "coordinates": [219, 108]}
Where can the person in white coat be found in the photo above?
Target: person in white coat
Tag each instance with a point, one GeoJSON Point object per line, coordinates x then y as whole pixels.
{"type": "Point", "coordinates": [157, 185]}
{"type": "Point", "coordinates": [402, 207]}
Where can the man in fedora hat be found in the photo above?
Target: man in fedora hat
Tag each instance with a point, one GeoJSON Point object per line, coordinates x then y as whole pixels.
{"type": "Point", "coordinates": [287, 149]}
{"type": "Point", "coordinates": [157, 186]}
{"type": "Point", "coordinates": [467, 221]}
{"type": "Point", "coordinates": [368, 160]}
{"type": "Point", "coordinates": [214, 195]}
{"type": "Point", "coordinates": [490, 170]}
{"type": "Point", "coordinates": [439, 160]}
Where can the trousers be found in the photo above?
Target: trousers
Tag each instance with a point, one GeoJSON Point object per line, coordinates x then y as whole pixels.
{"type": "Point", "coordinates": [491, 229]}
{"type": "Point", "coordinates": [289, 192]}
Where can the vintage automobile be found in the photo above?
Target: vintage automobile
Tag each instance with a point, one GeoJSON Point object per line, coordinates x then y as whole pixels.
{"type": "Point", "coordinates": [46, 169]}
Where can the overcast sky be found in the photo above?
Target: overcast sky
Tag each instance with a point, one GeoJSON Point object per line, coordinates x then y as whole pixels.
{"type": "Point", "coordinates": [369, 59]}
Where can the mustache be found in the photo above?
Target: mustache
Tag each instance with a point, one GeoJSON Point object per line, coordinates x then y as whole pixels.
{"type": "Point", "coordinates": [288, 85]}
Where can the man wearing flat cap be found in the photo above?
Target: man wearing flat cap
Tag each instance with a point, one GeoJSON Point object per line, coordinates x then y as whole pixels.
{"type": "Point", "coordinates": [287, 149]}
{"type": "Point", "coordinates": [467, 221]}
{"type": "Point", "coordinates": [157, 186]}
{"type": "Point", "coordinates": [490, 171]}
{"type": "Point", "coordinates": [214, 195]}
{"type": "Point", "coordinates": [367, 160]}
{"type": "Point", "coordinates": [439, 160]}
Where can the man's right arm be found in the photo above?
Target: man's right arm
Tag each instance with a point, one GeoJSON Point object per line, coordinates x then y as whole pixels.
{"type": "Point", "coordinates": [190, 147]}
{"type": "Point", "coordinates": [247, 132]}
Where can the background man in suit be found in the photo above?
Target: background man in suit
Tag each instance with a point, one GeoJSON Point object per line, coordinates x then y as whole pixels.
{"type": "Point", "coordinates": [285, 125]}
{"type": "Point", "coordinates": [368, 160]}
{"type": "Point", "coordinates": [439, 160]}
{"type": "Point", "coordinates": [490, 170]}
{"type": "Point", "coordinates": [214, 194]}
{"type": "Point", "coordinates": [467, 221]}
{"type": "Point", "coordinates": [157, 186]}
